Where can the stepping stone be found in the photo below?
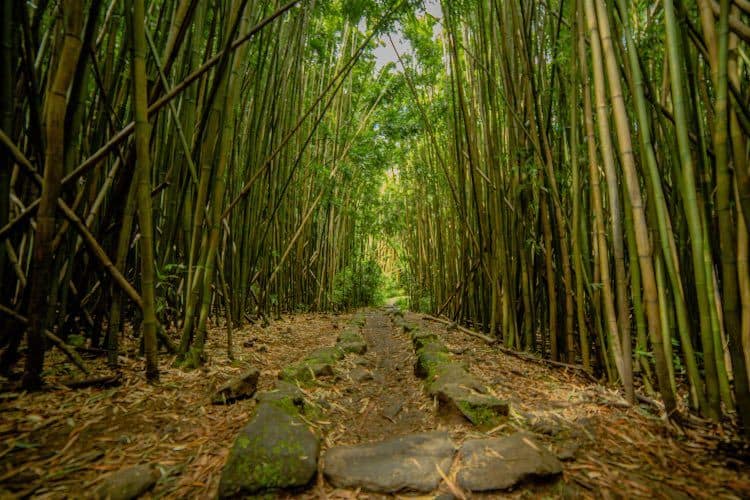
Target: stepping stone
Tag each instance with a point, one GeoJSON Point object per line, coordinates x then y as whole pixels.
{"type": "Point", "coordinates": [358, 374]}
{"type": "Point", "coordinates": [128, 483]}
{"type": "Point", "coordinates": [351, 342]}
{"type": "Point", "coordinates": [353, 347]}
{"type": "Point", "coordinates": [326, 355]}
{"type": "Point", "coordinates": [501, 463]}
{"type": "Point", "coordinates": [284, 394]}
{"type": "Point", "coordinates": [421, 338]}
{"type": "Point", "coordinates": [274, 451]}
{"type": "Point", "coordinates": [480, 409]}
{"type": "Point", "coordinates": [306, 371]}
{"type": "Point", "coordinates": [407, 463]}
{"type": "Point", "coordinates": [238, 388]}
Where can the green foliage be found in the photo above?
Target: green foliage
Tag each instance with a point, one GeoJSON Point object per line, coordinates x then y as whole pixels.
{"type": "Point", "coordinates": [357, 285]}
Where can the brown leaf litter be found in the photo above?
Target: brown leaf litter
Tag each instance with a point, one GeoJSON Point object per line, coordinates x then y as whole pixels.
{"type": "Point", "coordinates": [61, 442]}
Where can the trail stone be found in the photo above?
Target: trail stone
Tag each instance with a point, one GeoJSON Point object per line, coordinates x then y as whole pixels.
{"type": "Point", "coordinates": [284, 394]}
{"type": "Point", "coordinates": [428, 361]}
{"type": "Point", "coordinates": [353, 347]}
{"type": "Point", "coordinates": [326, 355]}
{"type": "Point", "coordinates": [392, 410]}
{"type": "Point", "coordinates": [351, 342]}
{"type": "Point", "coordinates": [274, 451]}
{"type": "Point", "coordinates": [128, 483]}
{"type": "Point", "coordinates": [358, 374]}
{"type": "Point", "coordinates": [409, 327]}
{"type": "Point", "coordinates": [421, 338]}
{"type": "Point", "coordinates": [349, 335]}
{"type": "Point", "coordinates": [501, 463]}
{"type": "Point", "coordinates": [306, 371]}
{"type": "Point", "coordinates": [407, 463]}
{"type": "Point", "coordinates": [455, 374]}
{"type": "Point", "coordinates": [238, 388]}
{"type": "Point", "coordinates": [479, 409]}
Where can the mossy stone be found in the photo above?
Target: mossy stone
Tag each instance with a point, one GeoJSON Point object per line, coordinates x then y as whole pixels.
{"type": "Point", "coordinates": [422, 338]}
{"type": "Point", "coordinates": [326, 355]}
{"type": "Point", "coordinates": [306, 371]}
{"type": "Point", "coordinates": [349, 335]}
{"type": "Point", "coordinates": [428, 362]}
{"type": "Point", "coordinates": [353, 347]}
{"type": "Point", "coordinates": [482, 410]}
{"type": "Point", "coordinates": [274, 451]}
{"type": "Point", "coordinates": [409, 327]}
{"type": "Point", "coordinates": [454, 373]}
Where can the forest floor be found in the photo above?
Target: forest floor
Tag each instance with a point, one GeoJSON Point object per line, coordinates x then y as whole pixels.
{"type": "Point", "coordinates": [61, 442]}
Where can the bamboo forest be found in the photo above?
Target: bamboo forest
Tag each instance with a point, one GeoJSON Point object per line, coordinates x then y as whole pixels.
{"type": "Point", "coordinates": [363, 249]}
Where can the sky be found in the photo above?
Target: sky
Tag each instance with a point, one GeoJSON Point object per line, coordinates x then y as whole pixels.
{"type": "Point", "coordinates": [384, 52]}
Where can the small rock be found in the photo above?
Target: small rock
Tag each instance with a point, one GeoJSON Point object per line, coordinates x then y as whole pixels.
{"type": "Point", "coordinates": [262, 348]}
{"type": "Point", "coordinates": [501, 463]}
{"type": "Point", "coordinates": [405, 463]}
{"type": "Point", "coordinates": [274, 451]}
{"type": "Point", "coordinates": [359, 375]}
{"type": "Point", "coordinates": [360, 361]}
{"type": "Point", "coordinates": [238, 388]}
{"type": "Point", "coordinates": [128, 483]}
{"type": "Point", "coordinates": [392, 410]}
{"type": "Point", "coordinates": [250, 342]}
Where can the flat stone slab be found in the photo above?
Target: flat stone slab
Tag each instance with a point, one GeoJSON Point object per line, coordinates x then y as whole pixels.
{"type": "Point", "coordinates": [501, 463]}
{"type": "Point", "coordinates": [351, 342]}
{"type": "Point", "coordinates": [479, 409]}
{"type": "Point", "coordinates": [274, 451]}
{"type": "Point", "coordinates": [407, 463]}
{"type": "Point", "coordinates": [127, 483]}
{"type": "Point", "coordinates": [306, 371]}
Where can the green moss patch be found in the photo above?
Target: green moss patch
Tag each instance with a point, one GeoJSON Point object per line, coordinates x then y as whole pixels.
{"type": "Point", "coordinates": [274, 451]}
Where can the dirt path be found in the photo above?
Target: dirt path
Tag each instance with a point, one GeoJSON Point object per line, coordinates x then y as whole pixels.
{"type": "Point", "coordinates": [59, 442]}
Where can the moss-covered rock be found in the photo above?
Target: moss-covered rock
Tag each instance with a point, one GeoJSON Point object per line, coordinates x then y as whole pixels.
{"type": "Point", "coordinates": [306, 371]}
{"type": "Point", "coordinates": [359, 347]}
{"type": "Point", "coordinates": [454, 373]}
{"type": "Point", "coordinates": [349, 335]}
{"type": "Point", "coordinates": [285, 395]}
{"type": "Point", "coordinates": [458, 391]}
{"type": "Point", "coordinates": [409, 327]}
{"type": "Point", "coordinates": [428, 361]}
{"type": "Point", "coordinates": [351, 342]}
{"type": "Point", "coordinates": [326, 355]}
{"type": "Point", "coordinates": [482, 410]}
{"type": "Point", "coordinates": [420, 338]}
{"type": "Point", "coordinates": [274, 451]}
{"type": "Point", "coordinates": [359, 320]}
